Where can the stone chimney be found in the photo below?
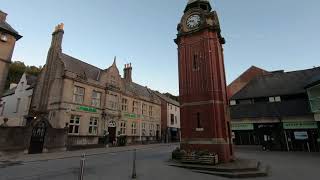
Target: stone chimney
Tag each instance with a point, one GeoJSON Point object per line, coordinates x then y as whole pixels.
{"type": "Point", "coordinates": [57, 36]}
{"type": "Point", "coordinates": [127, 72]}
{"type": "Point", "coordinates": [3, 16]}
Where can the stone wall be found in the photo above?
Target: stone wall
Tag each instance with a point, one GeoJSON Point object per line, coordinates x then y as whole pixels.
{"type": "Point", "coordinates": [14, 138]}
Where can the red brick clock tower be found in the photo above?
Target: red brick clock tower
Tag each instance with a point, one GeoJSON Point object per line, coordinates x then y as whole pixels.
{"type": "Point", "coordinates": [203, 97]}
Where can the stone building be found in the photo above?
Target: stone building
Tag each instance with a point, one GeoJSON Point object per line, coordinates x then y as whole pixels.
{"type": "Point", "coordinates": [170, 118]}
{"type": "Point", "coordinates": [274, 110]}
{"type": "Point", "coordinates": [15, 102]}
{"type": "Point", "coordinates": [8, 38]}
{"type": "Point", "coordinates": [92, 102]}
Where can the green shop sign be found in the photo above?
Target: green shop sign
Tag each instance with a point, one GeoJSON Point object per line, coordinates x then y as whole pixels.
{"type": "Point", "coordinates": [300, 125]}
{"type": "Point", "coordinates": [87, 109]}
{"type": "Point", "coordinates": [241, 126]}
{"type": "Point", "coordinates": [131, 116]}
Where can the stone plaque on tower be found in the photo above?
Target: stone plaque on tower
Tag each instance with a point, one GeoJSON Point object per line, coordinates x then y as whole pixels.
{"type": "Point", "coordinates": [205, 122]}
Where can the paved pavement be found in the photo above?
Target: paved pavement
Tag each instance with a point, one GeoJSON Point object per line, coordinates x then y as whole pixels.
{"type": "Point", "coordinates": [116, 164]}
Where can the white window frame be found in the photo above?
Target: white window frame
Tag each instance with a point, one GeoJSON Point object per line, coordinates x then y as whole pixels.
{"type": "Point", "coordinates": [134, 128]}
{"type": "Point", "coordinates": [124, 104]}
{"type": "Point", "coordinates": [96, 98]}
{"type": "Point", "coordinates": [122, 128]}
{"type": "Point", "coordinates": [233, 102]}
{"type": "Point", "coordinates": [2, 108]}
{"type": "Point", "coordinates": [73, 123]}
{"type": "Point", "coordinates": [18, 105]}
{"type": "Point", "coordinates": [93, 126]}
{"type": "Point", "coordinates": [78, 94]}
{"type": "Point", "coordinates": [151, 111]}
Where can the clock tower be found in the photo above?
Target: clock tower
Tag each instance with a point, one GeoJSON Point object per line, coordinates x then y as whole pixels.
{"type": "Point", "coordinates": [202, 84]}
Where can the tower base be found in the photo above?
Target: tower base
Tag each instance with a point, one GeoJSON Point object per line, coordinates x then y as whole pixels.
{"type": "Point", "coordinates": [224, 151]}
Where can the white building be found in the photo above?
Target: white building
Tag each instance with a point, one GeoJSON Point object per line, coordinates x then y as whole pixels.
{"type": "Point", "coordinates": [170, 118]}
{"type": "Point", "coordinates": [16, 101]}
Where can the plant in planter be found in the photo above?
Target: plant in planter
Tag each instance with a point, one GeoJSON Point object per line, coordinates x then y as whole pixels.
{"type": "Point", "coordinates": [177, 154]}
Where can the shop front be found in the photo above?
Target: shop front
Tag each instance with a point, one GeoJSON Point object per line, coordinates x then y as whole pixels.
{"type": "Point", "coordinates": [302, 136]}
{"type": "Point", "coordinates": [244, 134]}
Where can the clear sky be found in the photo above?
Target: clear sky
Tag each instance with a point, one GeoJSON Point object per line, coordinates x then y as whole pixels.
{"type": "Point", "coordinates": [270, 34]}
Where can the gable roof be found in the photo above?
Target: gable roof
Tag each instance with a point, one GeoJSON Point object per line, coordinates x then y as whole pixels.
{"type": "Point", "coordinates": [166, 98]}
{"type": "Point", "coordinates": [8, 29]}
{"type": "Point", "coordinates": [79, 67]}
{"type": "Point", "coordinates": [277, 84]}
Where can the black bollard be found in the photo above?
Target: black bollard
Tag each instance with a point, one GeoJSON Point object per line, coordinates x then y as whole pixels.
{"type": "Point", "coordinates": [134, 174]}
{"type": "Point", "coordinates": [82, 165]}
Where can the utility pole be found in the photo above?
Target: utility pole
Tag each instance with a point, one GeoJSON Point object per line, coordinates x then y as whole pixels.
{"type": "Point", "coordinates": [134, 173]}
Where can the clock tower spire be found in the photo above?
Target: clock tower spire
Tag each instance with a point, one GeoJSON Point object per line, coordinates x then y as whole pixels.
{"type": "Point", "coordinates": [202, 85]}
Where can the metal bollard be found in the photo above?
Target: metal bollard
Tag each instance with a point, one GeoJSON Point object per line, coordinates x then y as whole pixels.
{"type": "Point", "coordinates": [82, 165]}
{"type": "Point", "coordinates": [134, 173]}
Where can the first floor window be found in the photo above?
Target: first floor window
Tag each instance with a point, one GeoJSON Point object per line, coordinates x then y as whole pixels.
{"type": "Point", "coordinates": [151, 127]}
{"type": "Point", "coordinates": [78, 94]}
{"type": "Point", "coordinates": [74, 124]}
{"type": "Point", "coordinates": [134, 128]}
{"type": "Point", "coordinates": [143, 126]}
{"type": "Point", "coordinates": [93, 126]}
{"type": "Point", "coordinates": [122, 128]}
{"type": "Point", "coordinates": [2, 108]}
{"type": "Point", "coordinates": [124, 104]}
{"type": "Point", "coordinates": [18, 105]}
{"type": "Point", "coordinates": [96, 98]}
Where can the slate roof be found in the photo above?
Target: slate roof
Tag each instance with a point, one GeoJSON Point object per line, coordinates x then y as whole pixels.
{"type": "Point", "coordinates": [295, 107]}
{"type": "Point", "coordinates": [139, 91]}
{"type": "Point", "coordinates": [79, 67]}
{"type": "Point", "coordinates": [167, 99]}
{"type": "Point", "coordinates": [9, 92]}
{"type": "Point", "coordinates": [8, 29]}
{"type": "Point", "coordinates": [277, 84]}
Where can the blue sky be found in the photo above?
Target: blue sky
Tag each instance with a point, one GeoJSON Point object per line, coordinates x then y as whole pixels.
{"type": "Point", "coordinates": [271, 34]}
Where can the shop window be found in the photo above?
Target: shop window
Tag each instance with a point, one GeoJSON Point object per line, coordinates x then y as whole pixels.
{"type": "Point", "coordinates": [93, 126]}
{"type": "Point", "coordinates": [122, 128]}
{"type": "Point", "coordinates": [74, 124]}
{"type": "Point", "coordinates": [78, 94]}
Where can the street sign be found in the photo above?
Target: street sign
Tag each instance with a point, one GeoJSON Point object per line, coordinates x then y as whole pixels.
{"type": "Point", "coordinates": [301, 135]}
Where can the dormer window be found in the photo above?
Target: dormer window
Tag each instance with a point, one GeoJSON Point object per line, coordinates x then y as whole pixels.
{"type": "Point", "coordinates": [4, 37]}
{"type": "Point", "coordinates": [275, 99]}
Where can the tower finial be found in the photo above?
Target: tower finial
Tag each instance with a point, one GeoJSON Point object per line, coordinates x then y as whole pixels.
{"type": "Point", "coordinates": [115, 60]}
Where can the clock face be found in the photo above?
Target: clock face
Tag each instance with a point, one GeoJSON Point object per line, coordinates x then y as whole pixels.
{"type": "Point", "coordinates": [193, 21]}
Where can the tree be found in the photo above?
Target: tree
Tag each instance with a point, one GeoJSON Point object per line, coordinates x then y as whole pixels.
{"type": "Point", "coordinates": [16, 70]}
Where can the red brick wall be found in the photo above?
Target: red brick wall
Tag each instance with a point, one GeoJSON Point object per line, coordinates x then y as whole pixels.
{"type": "Point", "coordinates": [208, 86]}
{"type": "Point", "coordinates": [243, 79]}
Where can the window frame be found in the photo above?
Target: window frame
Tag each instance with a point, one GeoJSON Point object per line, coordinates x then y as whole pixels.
{"type": "Point", "coordinates": [93, 125]}
{"type": "Point", "coordinates": [76, 123]}
{"type": "Point", "coordinates": [77, 94]}
{"type": "Point", "coordinates": [96, 101]}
